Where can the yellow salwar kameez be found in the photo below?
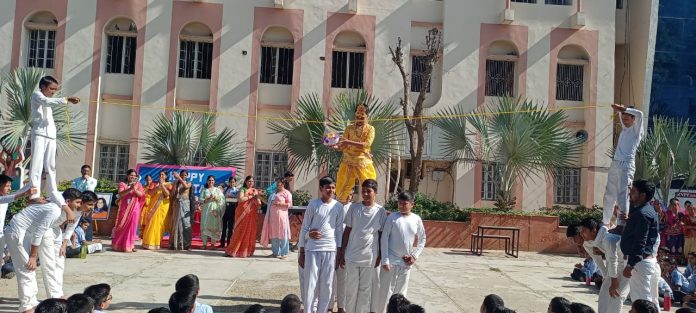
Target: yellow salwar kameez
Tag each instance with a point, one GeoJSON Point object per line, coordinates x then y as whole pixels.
{"type": "Point", "coordinates": [156, 218]}
{"type": "Point", "coordinates": [356, 163]}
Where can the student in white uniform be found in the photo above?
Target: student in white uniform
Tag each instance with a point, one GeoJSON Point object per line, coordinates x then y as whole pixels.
{"type": "Point", "coordinates": [323, 222]}
{"type": "Point", "coordinates": [5, 199]}
{"type": "Point", "coordinates": [338, 292]}
{"type": "Point", "coordinates": [55, 242]}
{"type": "Point", "coordinates": [398, 254]}
{"type": "Point", "coordinates": [615, 288]}
{"type": "Point", "coordinates": [24, 236]}
{"type": "Point", "coordinates": [624, 164]}
{"type": "Point", "coordinates": [360, 252]}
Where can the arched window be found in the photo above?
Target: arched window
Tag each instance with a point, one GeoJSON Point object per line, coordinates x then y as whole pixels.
{"type": "Point", "coordinates": [121, 45]}
{"type": "Point", "coordinates": [501, 61]}
{"type": "Point", "coordinates": [570, 73]}
{"type": "Point", "coordinates": [195, 51]}
{"type": "Point", "coordinates": [41, 40]}
{"type": "Point", "coordinates": [277, 56]}
{"type": "Point", "coordinates": [348, 61]}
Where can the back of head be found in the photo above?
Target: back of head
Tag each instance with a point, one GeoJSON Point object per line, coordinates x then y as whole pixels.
{"type": "Point", "coordinates": [88, 196]}
{"type": "Point", "coordinates": [99, 293]}
{"type": "Point", "coordinates": [686, 310]}
{"type": "Point", "coordinates": [415, 308]}
{"type": "Point", "coordinates": [560, 305]}
{"type": "Point", "coordinates": [182, 302]}
{"type": "Point", "coordinates": [492, 302]}
{"type": "Point", "coordinates": [80, 303]}
{"type": "Point", "coordinates": [397, 303]}
{"type": "Point", "coordinates": [52, 306]}
{"type": "Point", "coordinates": [71, 194]}
{"type": "Point", "coordinates": [645, 187]}
{"type": "Point", "coordinates": [290, 304]}
{"type": "Point", "coordinates": [580, 308]}
{"type": "Point", "coordinates": [644, 306]}
{"type": "Point", "coordinates": [159, 310]}
{"type": "Point", "coordinates": [188, 283]}
{"type": "Point", "coordinates": [590, 223]}
{"type": "Point", "coordinates": [572, 231]}
{"type": "Point", "coordinates": [406, 196]}
{"type": "Point", "coordinates": [4, 179]}
{"type": "Point", "coordinates": [256, 308]}
{"type": "Point", "coordinates": [502, 309]}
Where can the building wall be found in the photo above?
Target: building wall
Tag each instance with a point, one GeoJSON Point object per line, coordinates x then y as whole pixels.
{"type": "Point", "coordinates": [539, 31]}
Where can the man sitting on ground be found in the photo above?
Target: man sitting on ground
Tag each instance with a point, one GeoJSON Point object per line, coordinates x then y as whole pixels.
{"type": "Point", "coordinates": [79, 247]}
{"type": "Point", "coordinates": [290, 304]}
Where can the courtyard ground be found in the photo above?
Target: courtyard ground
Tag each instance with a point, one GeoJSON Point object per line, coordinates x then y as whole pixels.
{"type": "Point", "coordinates": [443, 280]}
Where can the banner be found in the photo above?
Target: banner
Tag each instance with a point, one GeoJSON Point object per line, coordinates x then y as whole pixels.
{"type": "Point", "coordinates": [197, 174]}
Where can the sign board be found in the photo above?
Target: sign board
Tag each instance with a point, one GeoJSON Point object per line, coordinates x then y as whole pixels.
{"type": "Point", "coordinates": [197, 174]}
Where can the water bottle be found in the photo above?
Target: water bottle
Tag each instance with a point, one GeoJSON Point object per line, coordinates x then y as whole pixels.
{"type": "Point", "coordinates": [668, 302]}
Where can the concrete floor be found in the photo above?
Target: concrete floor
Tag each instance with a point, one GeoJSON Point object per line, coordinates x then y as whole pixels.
{"type": "Point", "coordinates": [443, 280]}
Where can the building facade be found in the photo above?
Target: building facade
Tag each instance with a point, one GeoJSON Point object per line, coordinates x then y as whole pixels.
{"type": "Point", "coordinates": [250, 59]}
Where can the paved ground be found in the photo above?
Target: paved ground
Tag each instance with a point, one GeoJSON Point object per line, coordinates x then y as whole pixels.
{"type": "Point", "coordinates": [443, 280]}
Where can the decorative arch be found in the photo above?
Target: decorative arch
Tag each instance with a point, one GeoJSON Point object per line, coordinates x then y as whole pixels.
{"type": "Point", "coordinates": [499, 41]}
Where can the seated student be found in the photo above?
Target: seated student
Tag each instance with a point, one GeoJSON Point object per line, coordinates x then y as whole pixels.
{"type": "Point", "coordinates": [7, 269]}
{"type": "Point", "coordinates": [686, 310]}
{"type": "Point", "coordinates": [576, 307]}
{"type": "Point", "coordinates": [79, 303]}
{"type": "Point", "coordinates": [664, 289]}
{"type": "Point", "coordinates": [681, 285]}
{"type": "Point", "coordinates": [559, 305]}
{"type": "Point", "coordinates": [690, 264]}
{"type": "Point", "coordinates": [190, 284]}
{"type": "Point", "coordinates": [415, 308]}
{"type": "Point", "coordinates": [256, 308]}
{"type": "Point", "coordinates": [581, 271]}
{"type": "Point", "coordinates": [101, 294]}
{"type": "Point", "coordinates": [643, 306]}
{"type": "Point", "coordinates": [77, 242]}
{"type": "Point", "coordinates": [290, 304]}
{"type": "Point", "coordinates": [491, 303]}
{"type": "Point", "coordinates": [182, 302]}
{"type": "Point", "coordinates": [52, 306]}
{"type": "Point", "coordinates": [159, 310]}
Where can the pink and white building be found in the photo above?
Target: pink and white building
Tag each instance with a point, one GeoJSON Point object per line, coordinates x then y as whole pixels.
{"type": "Point", "coordinates": [132, 59]}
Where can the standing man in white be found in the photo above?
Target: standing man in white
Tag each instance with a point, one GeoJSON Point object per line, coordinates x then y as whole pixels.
{"type": "Point", "coordinates": [323, 222]}
{"type": "Point", "coordinates": [43, 140]}
{"type": "Point", "coordinates": [398, 254]}
{"type": "Point", "coordinates": [624, 164]}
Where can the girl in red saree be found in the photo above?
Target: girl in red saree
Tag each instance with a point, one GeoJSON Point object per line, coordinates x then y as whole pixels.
{"type": "Point", "coordinates": [243, 242]}
{"type": "Point", "coordinates": [131, 199]}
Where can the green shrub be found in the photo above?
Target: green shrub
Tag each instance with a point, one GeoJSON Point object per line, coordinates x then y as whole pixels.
{"type": "Point", "coordinates": [430, 209]}
{"type": "Point", "coordinates": [103, 186]}
{"type": "Point", "coordinates": [301, 198]}
{"type": "Point", "coordinates": [571, 216]}
{"type": "Point", "coordinates": [13, 208]}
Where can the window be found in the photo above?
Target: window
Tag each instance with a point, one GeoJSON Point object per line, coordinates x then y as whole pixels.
{"type": "Point", "coordinates": [491, 181]}
{"type": "Point", "coordinates": [500, 78]}
{"type": "Point", "coordinates": [195, 59]}
{"type": "Point", "coordinates": [113, 162]}
{"type": "Point", "coordinates": [569, 82]}
{"type": "Point", "coordinates": [567, 186]}
{"type": "Point", "coordinates": [269, 166]}
{"type": "Point", "coordinates": [276, 65]}
{"type": "Point", "coordinates": [42, 48]}
{"type": "Point", "coordinates": [619, 4]}
{"type": "Point", "coordinates": [418, 64]}
{"type": "Point", "coordinates": [120, 54]}
{"type": "Point", "coordinates": [560, 2]}
{"type": "Point", "coordinates": [525, 1]}
{"type": "Point", "coordinates": [347, 69]}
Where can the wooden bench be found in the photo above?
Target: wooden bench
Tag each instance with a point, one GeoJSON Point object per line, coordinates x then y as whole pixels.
{"type": "Point", "coordinates": [512, 243]}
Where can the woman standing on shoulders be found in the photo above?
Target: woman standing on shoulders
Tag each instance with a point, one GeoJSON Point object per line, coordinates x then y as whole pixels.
{"type": "Point", "coordinates": [213, 203]}
{"type": "Point", "coordinates": [157, 211]}
{"type": "Point", "coordinates": [279, 222]}
{"type": "Point", "coordinates": [131, 199]}
{"type": "Point", "coordinates": [243, 242]}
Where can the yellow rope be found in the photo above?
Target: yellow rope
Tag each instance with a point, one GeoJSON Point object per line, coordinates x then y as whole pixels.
{"type": "Point", "coordinates": [67, 129]}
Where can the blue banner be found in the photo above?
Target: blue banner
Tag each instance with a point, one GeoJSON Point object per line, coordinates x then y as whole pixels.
{"type": "Point", "coordinates": [197, 174]}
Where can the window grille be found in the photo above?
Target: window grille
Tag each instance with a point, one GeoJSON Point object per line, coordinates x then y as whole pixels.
{"type": "Point", "coordinates": [347, 69]}
{"type": "Point", "coordinates": [567, 186]}
{"type": "Point", "coordinates": [418, 64]}
{"type": "Point", "coordinates": [490, 181]}
{"type": "Point", "coordinates": [500, 78]}
{"type": "Point", "coordinates": [195, 59]}
{"type": "Point", "coordinates": [276, 65]}
{"type": "Point", "coordinates": [42, 48]}
{"type": "Point", "coordinates": [269, 165]}
{"type": "Point", "coordinates": [113, 162]}
{"type": "Point", "coordinates": [120, 54]}
{"type": "Point", "coordinates": [569, 82]}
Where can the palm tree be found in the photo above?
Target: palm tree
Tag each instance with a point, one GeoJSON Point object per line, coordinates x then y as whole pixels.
{"type": "Point", "coordinates": [190, 139]}
{"type": "Point", "coordinates": [16, 120]}
{"type": "Point", "coordinates": [522, 138]}
{"type": "Point", "coordinates": [302, 131]}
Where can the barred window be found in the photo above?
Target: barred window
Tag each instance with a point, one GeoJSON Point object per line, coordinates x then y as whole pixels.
{"type": "Point", "coordinates": [418, 77]}
{"type": "Point", "coordinates": [120, 54]}
{"type": "Point", "coordinates": [560, 2]}
{"type": "Point", "coordinates": [569, 82]}
{"type": "Point", "coordinates": [619, 4]}
{"type": "Point", "coordinates": [490, 181]}
{"type": "Point", "coordinates": [276, 65]}
{"type": "Point", "coordinates": [42, 48]}
{"type": "Point", "coordinates": [269, 165]}
{"type": "Point", "coordinates": [347, 69]}
{"type": "Point", "coordinates": [500, 78]}
{"type": "Point", "coordinates": [195, 59]}
{"type": "Point", "coordinates": [525, 1]}
{"type": "Point", "coordinates": [567, 186]}
{"type": "Point", "coordinates": [113, 162]}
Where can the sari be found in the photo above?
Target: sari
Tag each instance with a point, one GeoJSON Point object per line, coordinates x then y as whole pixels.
{"type": "Point", "coordinates": [146, 207]}
{"type": "Point", "coordinates": [211, 214]}
{"type": "Point", "coordinates": [123, 236]}
{"type": "Point", "coordinates": [243, 242]}
{"type": "Point", "coordinates": [157, 210]}
{"type": "Point", "coordinates": [181, 219]}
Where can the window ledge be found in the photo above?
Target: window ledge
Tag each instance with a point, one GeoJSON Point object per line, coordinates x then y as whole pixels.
{"type": "Point", "coordinates": [40, 26]}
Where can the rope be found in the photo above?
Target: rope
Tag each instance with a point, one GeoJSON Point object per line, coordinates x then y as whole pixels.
{"type": "Point", "coordinates": [67, 129]}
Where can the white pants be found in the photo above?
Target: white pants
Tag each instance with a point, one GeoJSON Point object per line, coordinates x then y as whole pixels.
{"type": "Point", "coordinates": [52, 264]}
{"type": "Point", "coordinates": [319, 273]}
{"type": "Point", "coordinates": [27, 289]}
{"type": "Point", "coordinates": [43, 158]}
{"type": "Point", "coordinates": [606, 303]}
{"type": "Point", "coordinates": [338, 291]}
{"type": "Point", "coordinates": [375, 292]}
{"type": "Point", "coordinates": [644, 280]}
{"type": "Point", "coordinates": [94, 247]}
{"type": "Point", "coordinates": [618, 182]}
{"type": "Point", "coordinates": [2, 244]}
{"type": "Point", "coordinates": [358, 288]}
{"type": "Point", "coordinates": [392, 282]}
{"type": "Point", "coordinates": [302, 286]}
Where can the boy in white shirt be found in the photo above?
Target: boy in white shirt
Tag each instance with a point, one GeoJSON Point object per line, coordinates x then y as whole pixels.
{"type": "Point", "coordinates": [323, 222]}
{"type": "Point", "coordinates": [398, 255]}
{"type": "Point", "coordinates": [338, 293]}
{"type": "Point", "coordinates": [24, 235]}
{"type": "Point", "coordinates": [5, 199]}
{"type": "Point", "coordinates": [360, 253]}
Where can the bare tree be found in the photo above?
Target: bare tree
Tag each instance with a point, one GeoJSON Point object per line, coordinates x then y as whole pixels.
{"type": "Point", "coordinates": [413, 114]}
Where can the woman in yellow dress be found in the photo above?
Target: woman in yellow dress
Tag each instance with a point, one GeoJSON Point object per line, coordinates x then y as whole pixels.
{"type": "Point", "coordinates": [149, 185]}
{"type": "Point", "coordinates": [157, 209]}
{"type": "Point", "coordinates": [356, 163]}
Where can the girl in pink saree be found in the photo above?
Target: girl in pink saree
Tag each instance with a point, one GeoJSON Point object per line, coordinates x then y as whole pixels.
{"type": "Point", "coordinates": [131, 200]}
